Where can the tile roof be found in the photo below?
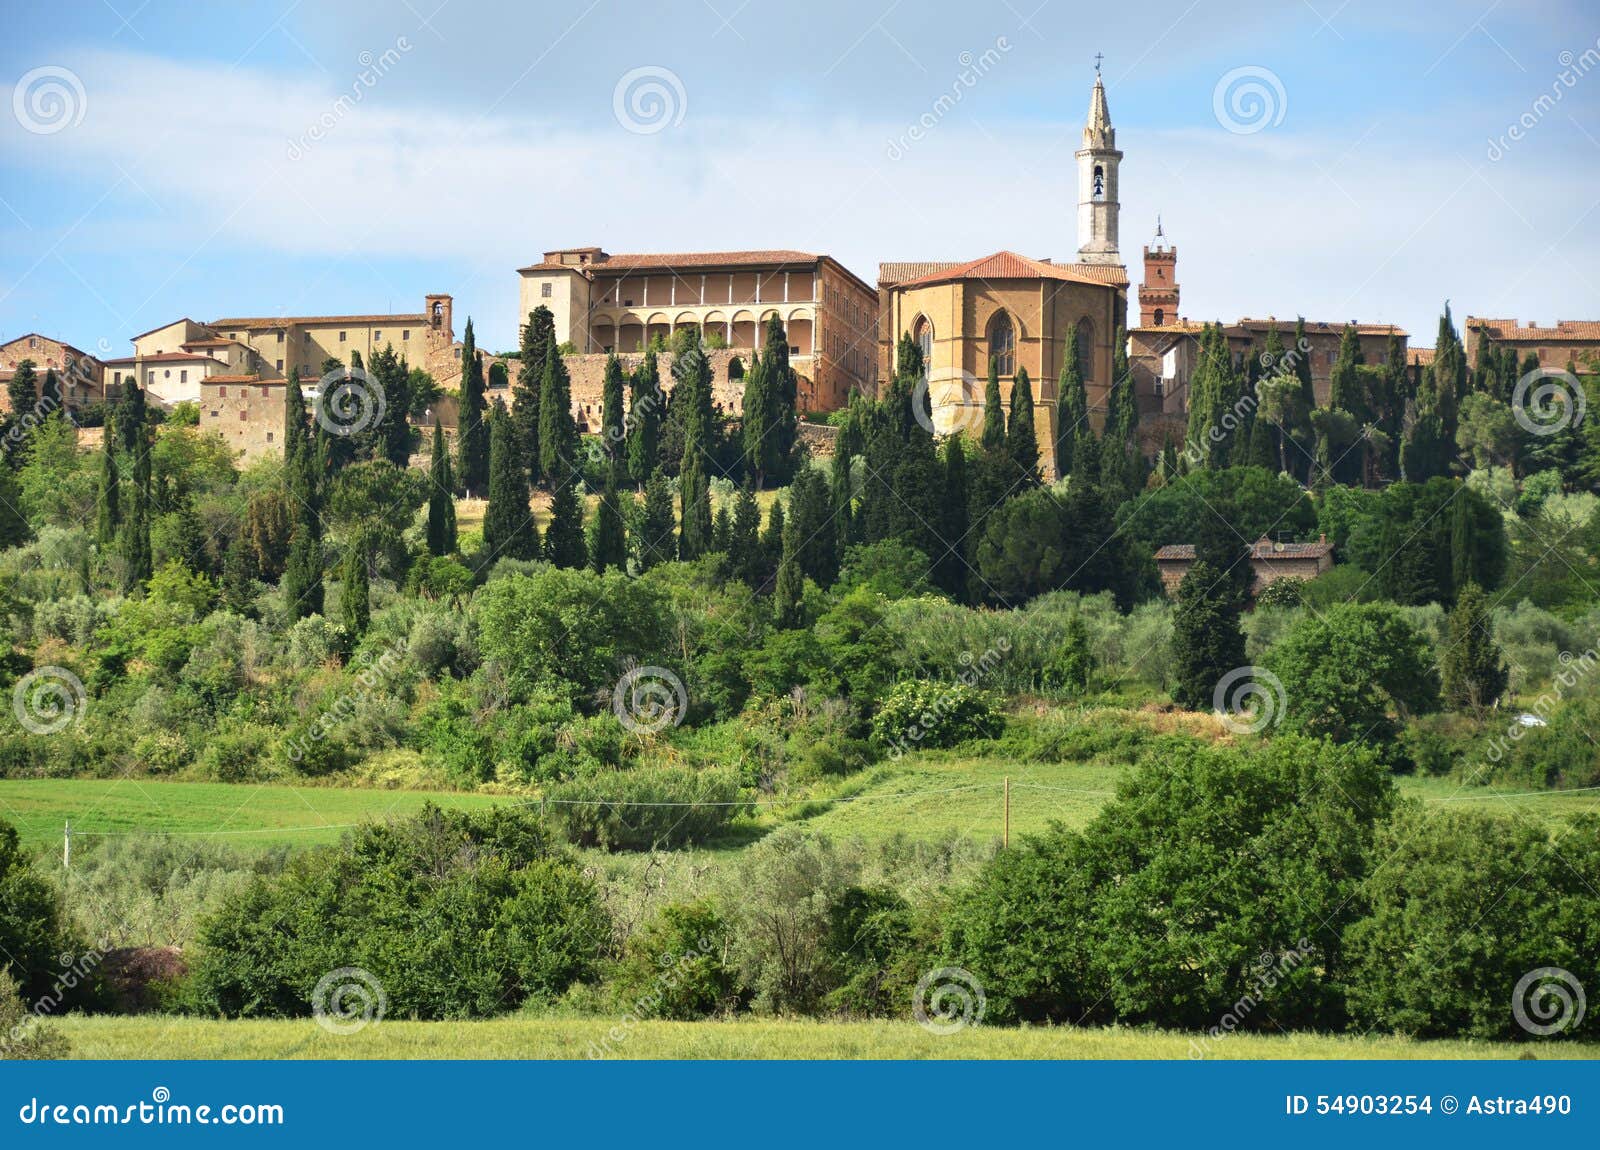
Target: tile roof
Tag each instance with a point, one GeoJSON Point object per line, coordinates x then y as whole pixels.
{"type": "Point", "coordinates": [1260, 549]}
{"type": "Point", "coordinates": [211, 343]}
{"type": "Point", "coordinates": [175, 357]}
{"type": "Point", "coordinates": [1510, 329]}
{"type": "Point", "coordinates": [669, 261]}
{"type": "Point", "coordinates": [268, 322]}
{"type": "Point", "coordinates": [899, 272]}
{"type": "Point", "coordinates": [1422, 355]}
{"type": "Point", "coordinates": [1004, 265]}
{"type": "Point", "coordinates": [1287, 326]}
{"type": "Point", "coordinates": [243, 379]}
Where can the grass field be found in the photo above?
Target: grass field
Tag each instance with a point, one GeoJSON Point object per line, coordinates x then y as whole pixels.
{"type": "Point", "coordinates": [516, 1037]}
{"type": "Point", "coordinates": [244, 815]}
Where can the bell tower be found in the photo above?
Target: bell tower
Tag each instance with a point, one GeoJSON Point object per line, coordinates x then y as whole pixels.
{"type": "Point", "coordinates": [1158, 294]}
{"type": "Point", "coordinates": [1097, 181]}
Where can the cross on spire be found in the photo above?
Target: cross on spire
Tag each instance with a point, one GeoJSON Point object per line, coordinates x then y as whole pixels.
{"type": "Point", "coordinates": [1098, 56]}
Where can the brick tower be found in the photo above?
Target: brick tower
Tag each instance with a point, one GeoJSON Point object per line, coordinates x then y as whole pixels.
{"type": "Point", "coordinates": [1158, 294]}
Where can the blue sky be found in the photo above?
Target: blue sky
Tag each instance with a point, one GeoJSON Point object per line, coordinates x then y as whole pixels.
{"type": "Point", "coordinates": [202, 165]}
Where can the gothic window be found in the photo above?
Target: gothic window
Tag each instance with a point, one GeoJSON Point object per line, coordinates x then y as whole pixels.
{"type": "Point", "coordinates": [1085, 349]}
{"type": "Point", "coordinates": [922, 336]}
{"type": "Point", "coordinates": [1099, 182]}
{"type": "Point", "coordinates": [1003, 344]}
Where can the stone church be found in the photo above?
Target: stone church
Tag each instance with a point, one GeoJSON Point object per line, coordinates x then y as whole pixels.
{"type": "Point", "coordinates": [1018, 309]}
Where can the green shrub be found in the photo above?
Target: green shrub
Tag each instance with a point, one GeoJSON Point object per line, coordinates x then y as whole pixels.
{"type": "Point", "coordinates": [676, 966]}
{"type": "Point", "coordinates": [922, 714]}
{"type": "Point", "coordinates": [647, 808]}
{"type": "Point", "coordinates": [1282, 593]}
{"type": "Point", "coordinates": [33, 934]}
{"type": "Point", "coordinates": [1464, 907]}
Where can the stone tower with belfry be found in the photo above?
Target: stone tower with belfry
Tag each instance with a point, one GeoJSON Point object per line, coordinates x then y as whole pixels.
{"type": "Point", "coordinates": [1098, 160]}
{"type": "Point", "coordinates": [1158, 294]}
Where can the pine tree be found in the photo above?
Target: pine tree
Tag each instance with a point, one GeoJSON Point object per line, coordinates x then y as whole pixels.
{"type": "Point", "coordinates": [472, 433]}
{"type": "Point", "coordinates": [441, 501]}
{"type": "Point", "coordinates": [508, 528]}
{"type": "Point", "coordinates": [355, 602]}
{"type": "Point", "coordinates": [108, 517]}
{"type": "Point", "coordinates": [563, 539]}
{"type": "Point", "coordinates": [611, 413]}
{"type": "Point", "coordinates": [558, 431]}
{"type": "Point", "coordinates": [745, 560]}
{"type": "Point", "coordinates": [1207, 641]}
{"type": "Point", "coordinates": [608, 543]}
{"type": "Point", "coordinates": [1072, 406]}
{"type": "Point", "coordinates": [1472, 667]}
{"type": "Point", "coordinates": [1021, 440]}
{"type": "Point", "coordinates": [691, 375]}
{"type": "Point", "coordinates": [645, 413]}
{"type": "Point", "coordinates": [653, 541]}
{"type": "Point", "coordinates": [538, 338]}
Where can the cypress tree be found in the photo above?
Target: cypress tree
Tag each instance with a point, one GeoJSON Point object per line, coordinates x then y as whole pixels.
{"type": "Point", "coordinates": [137, 563]}
{"type": "Point", "coordinates": [1120, 463]}
{"type": "Point", "coordinates": [653, 532]}
{"type": "Point", "coordinates": [1207, 641]}
{"type": "Point", "coordinates": [994, 418]}
{"type": "Point", "coordinates": [608, 543]}
{"type": "Point", "coordinates": [745, 560]}
{"type": "Point", "coordinates": [772, 538]}
{"type": "Point", "coordinates": [23, 388]}
{"type": "Point", "coordinates": [721, 529]}
{"type": "Point", "coordinates": [1021, 441]}
{"type": "Point", "coordinates": [472, 433]}
{"type": "Point", "coordinates": [949, 567]}
{"type": "Point", "coordinates": [789, 593]}
{"type": "Point", "coordinates": [50, 393]}
{"type": "Point", "coordinates": [783, 390]}
{"type": "Point", "coordinates": [508, 528]}
{"type": "Point", "coordinates": [238, 593]}
{"type": "Point", "coordinates": [691, 374]}
{"type": "Point", "coordinates": [848, 444]}
{"type": "Point", "coordinates": [538, 338]}
{"type": "Point", "coordinates": [302, 574]}
{"type": "Point", "coordinates": [294, 418]}
{"type": "Point", "coordinates": [1072, 407]}
{"type": "Point", "coordinates": [1463, 540]}
{"type": "Point", "coordinates": [645, 414]}
{"type": "Point", "coordinates": [441, 503]}
{"type": "Point", "coordinates": [563, 539]}
{"type": "Point", "coordinates": [758, 435]}
{"type": "Point", "coordinates": [1472, 667]}
{"type": "Point", "coordinates": [816, 543]}
{"type": "Point", "coordinates": [558, 431]}
{"type": "Point", "coordinates": [355, 597]}
{"type": "Point", "coordinates": [108, 517]}
{"type": "Point", "coordinates": [611, 414]}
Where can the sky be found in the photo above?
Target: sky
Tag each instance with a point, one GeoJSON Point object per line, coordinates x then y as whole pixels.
{"type": "Point", "coordinates": [1346, 161]}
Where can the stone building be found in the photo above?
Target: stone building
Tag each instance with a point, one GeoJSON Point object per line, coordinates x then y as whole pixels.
{"type": "Point", "coordinates": [620, 302]}
{"type": "Point", "coordinates": [1570, 341]}
{"type": "Point", "coordinates": [174, 360]}
{"type": "Point", "coordinates": [1269, 562]}
{"type": "Point", "coordinates": [82, 377]}
{"type": "Point", "coordinates": [247, 411]}
{"type": "Point", "coordinates": [1164, 350]}
{"type": "Point", "coordinates": [1018, 310]}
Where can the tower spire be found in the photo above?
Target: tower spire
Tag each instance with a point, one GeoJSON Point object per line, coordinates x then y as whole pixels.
{"type": "Point", "coordinates": [1097, 180]}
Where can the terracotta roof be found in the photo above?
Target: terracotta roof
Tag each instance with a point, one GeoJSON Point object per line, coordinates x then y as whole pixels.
{"type": "Point", "coordinates": [1004, 265]}
{"type": "Point", "coordinates": [897, 273]}
{"type": "Point", "coordinates": [1422, 355]}
{"type": "Point", "coordinates": [668, 261]}
{"type": "Point", "coordinates": [1287, 326]}
{"type": "Point", "coordinates": [1260, 549]}
{"type": "Point", "coordinates": [268, 322]}
{"type": "Point", "coordinates": [119, 362]}
{"type": "Point", "coordinates": [211, 343]}
{"type": "Point", "coordinates": [1510, 329]}
{"type": "Point", "coordinates": [243, 379]}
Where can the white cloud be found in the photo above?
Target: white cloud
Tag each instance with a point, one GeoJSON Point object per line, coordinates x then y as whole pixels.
{"type": "Point", "coordinates": [1373, 227]}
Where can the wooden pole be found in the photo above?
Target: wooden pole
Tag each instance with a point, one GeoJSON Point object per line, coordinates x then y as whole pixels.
{"type": "Point", "coordinates": [1005, 838]}
{"type": "Point", "coordinates": [66, 847]}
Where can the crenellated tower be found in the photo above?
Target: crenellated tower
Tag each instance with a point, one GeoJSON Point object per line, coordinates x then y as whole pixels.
{"type": "Point", "coordinates": [1158, 294]}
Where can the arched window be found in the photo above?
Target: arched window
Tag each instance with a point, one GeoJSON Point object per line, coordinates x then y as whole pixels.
{"type": "Point", "coordinates": [1003, 344]}
{"type": "Point", "coordinates": [1086, 349]}
{"type": "Point", "coordinates": [1161, 317]}
{"type": "Point", "coordinates": [1099, 182]}
{"type": "Point", "coordinates": [922, 336]}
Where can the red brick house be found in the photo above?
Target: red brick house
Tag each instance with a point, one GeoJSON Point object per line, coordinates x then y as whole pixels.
{"type": "Point", "coordinates": [1270, 562]}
